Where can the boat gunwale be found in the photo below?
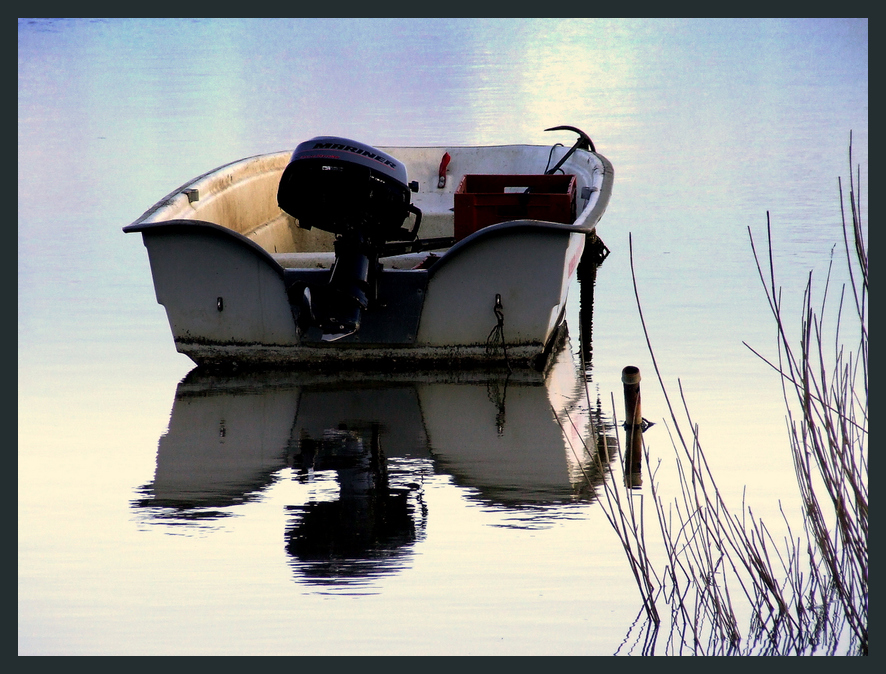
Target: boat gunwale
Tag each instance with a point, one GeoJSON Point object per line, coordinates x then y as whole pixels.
{"type": "Point", "coordinates": [591, 214]}
{"type": "Point", "coordinates": [184, 224]}
{"type": "Point", "coordinates": [179, 192]}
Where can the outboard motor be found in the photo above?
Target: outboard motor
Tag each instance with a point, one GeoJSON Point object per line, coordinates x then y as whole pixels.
{"type": "Point", "coordinates": [361, 195]}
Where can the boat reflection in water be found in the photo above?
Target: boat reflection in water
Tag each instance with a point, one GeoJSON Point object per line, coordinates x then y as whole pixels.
{"type": "Point", "coordinates": [381, 436]}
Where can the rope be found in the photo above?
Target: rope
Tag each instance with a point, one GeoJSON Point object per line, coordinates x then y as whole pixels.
{"type": "Point", "coordinates": [497, 334]}
{"type": "Point", "coordinates": [551, 156]}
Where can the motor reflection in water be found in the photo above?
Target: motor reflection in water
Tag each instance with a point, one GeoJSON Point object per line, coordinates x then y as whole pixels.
{"type": "Point", "coordinates": [527, 443]}
{"type": "Point", "coordinates": [378, 513]}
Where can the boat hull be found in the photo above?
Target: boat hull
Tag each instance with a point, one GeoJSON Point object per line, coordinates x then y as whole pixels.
{"type": "Point", "coordinates": [236, 310]}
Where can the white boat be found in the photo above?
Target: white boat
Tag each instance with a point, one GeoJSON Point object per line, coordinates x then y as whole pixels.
{"type": "Point", "coordinates": [342, 254]}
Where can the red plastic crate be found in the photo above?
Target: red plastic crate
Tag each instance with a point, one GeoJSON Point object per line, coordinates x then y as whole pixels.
{"type": "Point", "coordinates": [483, 200]}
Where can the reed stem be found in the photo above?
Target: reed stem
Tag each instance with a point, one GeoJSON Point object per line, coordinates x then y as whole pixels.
{"type": "Point", "coordinates": [806, 591]}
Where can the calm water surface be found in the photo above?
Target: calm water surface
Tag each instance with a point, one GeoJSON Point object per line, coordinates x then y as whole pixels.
{"type": "Point", "coordinates": [164, 513]}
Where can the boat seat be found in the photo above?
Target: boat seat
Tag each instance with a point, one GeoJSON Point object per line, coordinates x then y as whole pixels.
{"type": "Point", "coordinates": [317, 260]}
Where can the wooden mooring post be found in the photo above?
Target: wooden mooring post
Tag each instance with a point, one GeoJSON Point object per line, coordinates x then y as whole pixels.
{"type": "Point", "coordinates": [630, 377]}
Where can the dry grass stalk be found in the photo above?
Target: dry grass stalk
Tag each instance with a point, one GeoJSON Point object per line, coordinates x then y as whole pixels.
{"type": "Point", "coordinates": [807, 594]}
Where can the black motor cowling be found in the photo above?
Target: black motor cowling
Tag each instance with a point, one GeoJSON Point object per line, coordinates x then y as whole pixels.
{"type": "Point", "coordinates": [361, 195]}
{"type": "Point", "coordinates": [339, 185]}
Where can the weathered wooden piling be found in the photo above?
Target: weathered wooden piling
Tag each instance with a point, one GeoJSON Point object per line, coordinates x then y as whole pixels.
{"type": "Point", "coordinates": [630, 377]}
